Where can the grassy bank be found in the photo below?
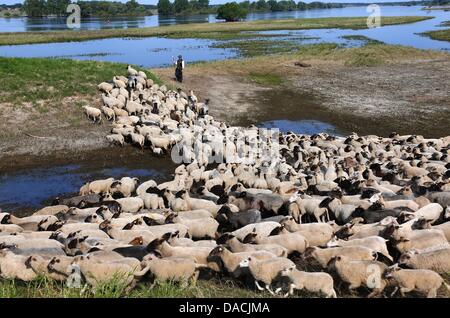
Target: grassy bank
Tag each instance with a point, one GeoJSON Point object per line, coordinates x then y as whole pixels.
{"type": "Point", "coordinates": [201, 30]}
{"type": "Point", "coordinates": [441, 35]}
{"type": "Point", "coordinates": [49, 93]}
{"type": "Point", "coordinates": [46, 288]}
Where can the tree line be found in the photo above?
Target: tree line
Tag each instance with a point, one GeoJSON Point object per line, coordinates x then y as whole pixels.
{"type": "Point", "coordinates": [40, 8]}
{"type": "Point", "coordinates": [166, 7]}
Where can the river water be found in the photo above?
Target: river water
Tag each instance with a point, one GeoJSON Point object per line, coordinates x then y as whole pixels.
{"type": "Point", "coordinates": [157, 52]}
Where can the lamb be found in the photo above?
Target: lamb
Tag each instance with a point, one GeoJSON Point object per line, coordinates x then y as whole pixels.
{"type": "Point", "coordinates": [131, 71]}
{"type": "Point", "coordinates": [357, 273]}
{"type": "Point", "coordinates": [231, 260]}
{"type": "Point", "coordinates": [143, 187]}
{"type": "Point", "coordinates": [312, 207]}
{"type": "Point", "coordinates": [137, 139]}
{"type": "Point", "coordinates": [323, 255]}
{"type": "Point", "coordinates": [421, 280]}
{"type": "Point", "coordinates": [93, 112]}
{"type": "Point", "coordinates": [172, 268]}
{"type": "Point", "coordinates": [437, 260]}
{"type": "Point", "coordinates": [266, 270]}
{"type": "Point", "coordinates": [311, 282]}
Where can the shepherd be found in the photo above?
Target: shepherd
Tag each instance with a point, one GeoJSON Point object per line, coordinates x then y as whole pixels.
{"type": "Point", "coordinates": [179, 68]}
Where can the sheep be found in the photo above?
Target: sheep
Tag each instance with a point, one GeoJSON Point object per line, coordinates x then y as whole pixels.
{"type": "Point", "coordinates": [375, 243]}
{"type": "Point", "coordinates": [323, 255]}
{"type": "Point", "coordinates": [105, 87]}
{"type": "Point", "coordinates": [10, 228]}
{"type": "Point", "coordinates": [172, 268]}
{"type": "Point", "coordinates": [24, 246]}
{"type": "Point", "coordinates": [131, 204]}
{"type": "Point", "coordinates": [109, 113]}
{"type": "Point", "coordinates": [199, 254]}
{"type": "Point", "coordinates": [432, 211]}
{"type": "Point", "coordinates": [236, 246]}
{"type": "Point", "coordinates": [419, 239]}
{"type": "Point", "coordinates": [198, 228]}
{"type": "Point", "coordinates": [40, 266]}
{"type": "Point", "coordinates": [263, 229]}
{"type": "Point", "coordinates": [316, 234]}
{"type": "Point", "coordinates": [126, 186]}
{"type": "Point", "coordinates": [292, 242]}
{"type": "Point", "coordinates": [437, 260]}
{"type": "Point", "coordinates": [266, 270]}
{"type": "Point", "coordinates": [231, 260]}
{"type": "Point", "coordinates": [143, 187]}
{"type": "Point", "coordinates": [13, 266]}
{"type": "Point", "coordinates": [357, 273]}
{"type": "Point", "coordinates": [98, 272]}
{"type": "Point", "coordinates": [312, 207]}
{"type": "Point", "coordinates": [116, 139]}
{"type": "Point", "coordinates": [131, 71]}
{"type": "Point", "coordinates": [93, 112]}
{"type": "Point", "coordinates": [240, 219]}
{"type": "Point", "coordinates": [100, 186]}
{"type": "Point", "coordinates": [311, 282]}
{"type": "Point", "coordinates": [152, 201]}
{"type": "Point", "coordinates": [421, 280]}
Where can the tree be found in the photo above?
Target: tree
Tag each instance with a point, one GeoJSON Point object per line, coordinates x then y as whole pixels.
{"type": "Point", "coordinates": [35, 8]}
{"type": "Point", "coordinates": [231, 11]}
{"type": "Point", "coordinates": [180, 5]}
{"type": "Point", "coordinates": [203, 3]}
{"type": "Point", "coordinates": [165, 7]}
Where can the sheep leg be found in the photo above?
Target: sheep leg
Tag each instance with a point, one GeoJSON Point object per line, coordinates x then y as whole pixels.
{"type": "Point", "coordinates": [270, 290]}
{"type": "Point", "coordinates": [317, 216]}
{"type": "Point", "coordinates": [395, 290]}
{"type": "Point", "coordinates": [432, 293]}
{"type": "Point", "coordinates": [404, 290]}
{"type": "Point", "coordinates": [375, 292]}
{"type": "Point", "coordinates": [257, 286]}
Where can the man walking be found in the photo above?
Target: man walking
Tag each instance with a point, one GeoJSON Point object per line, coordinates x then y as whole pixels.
{"type": "Point", "coordinates": [179, 69]}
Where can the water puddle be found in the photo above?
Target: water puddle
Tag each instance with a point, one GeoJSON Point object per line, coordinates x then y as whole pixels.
{"type": "Point", "coordinates": [308, 127]}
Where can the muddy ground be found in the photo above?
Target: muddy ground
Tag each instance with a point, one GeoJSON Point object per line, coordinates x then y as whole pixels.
{"type": "Point", "coordinates": [411, 97]}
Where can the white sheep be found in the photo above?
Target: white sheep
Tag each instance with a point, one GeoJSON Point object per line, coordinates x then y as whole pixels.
{"type": "Point", "coordinates": [94, 113]}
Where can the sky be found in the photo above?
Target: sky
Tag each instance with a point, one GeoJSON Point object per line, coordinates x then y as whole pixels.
{"type": "Point", "coordinates": [223, 1]}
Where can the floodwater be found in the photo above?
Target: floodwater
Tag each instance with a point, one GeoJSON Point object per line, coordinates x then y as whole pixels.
{"type": "Point", "coordinates": [158, 52]}
{"type": "Point", "coordinates": [24, 24]}
{"type": "Point", "coordinates": [30, 186]}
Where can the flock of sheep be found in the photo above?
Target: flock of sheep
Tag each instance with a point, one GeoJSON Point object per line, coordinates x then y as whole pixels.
{"type": "Point", "coordinates": [363, 212]}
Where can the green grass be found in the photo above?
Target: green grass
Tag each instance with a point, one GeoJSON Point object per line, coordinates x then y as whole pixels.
{"type": "Point", "coordinates": [441, 35]}
{"type": "Point", "coordinates": [362, 38]}
{"type": "Point", "coordinates": [44, 287]}
{"type": "Point", "coordinates": [25, 80]}
{"type": "Point", "coordinates": [203, 30]}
